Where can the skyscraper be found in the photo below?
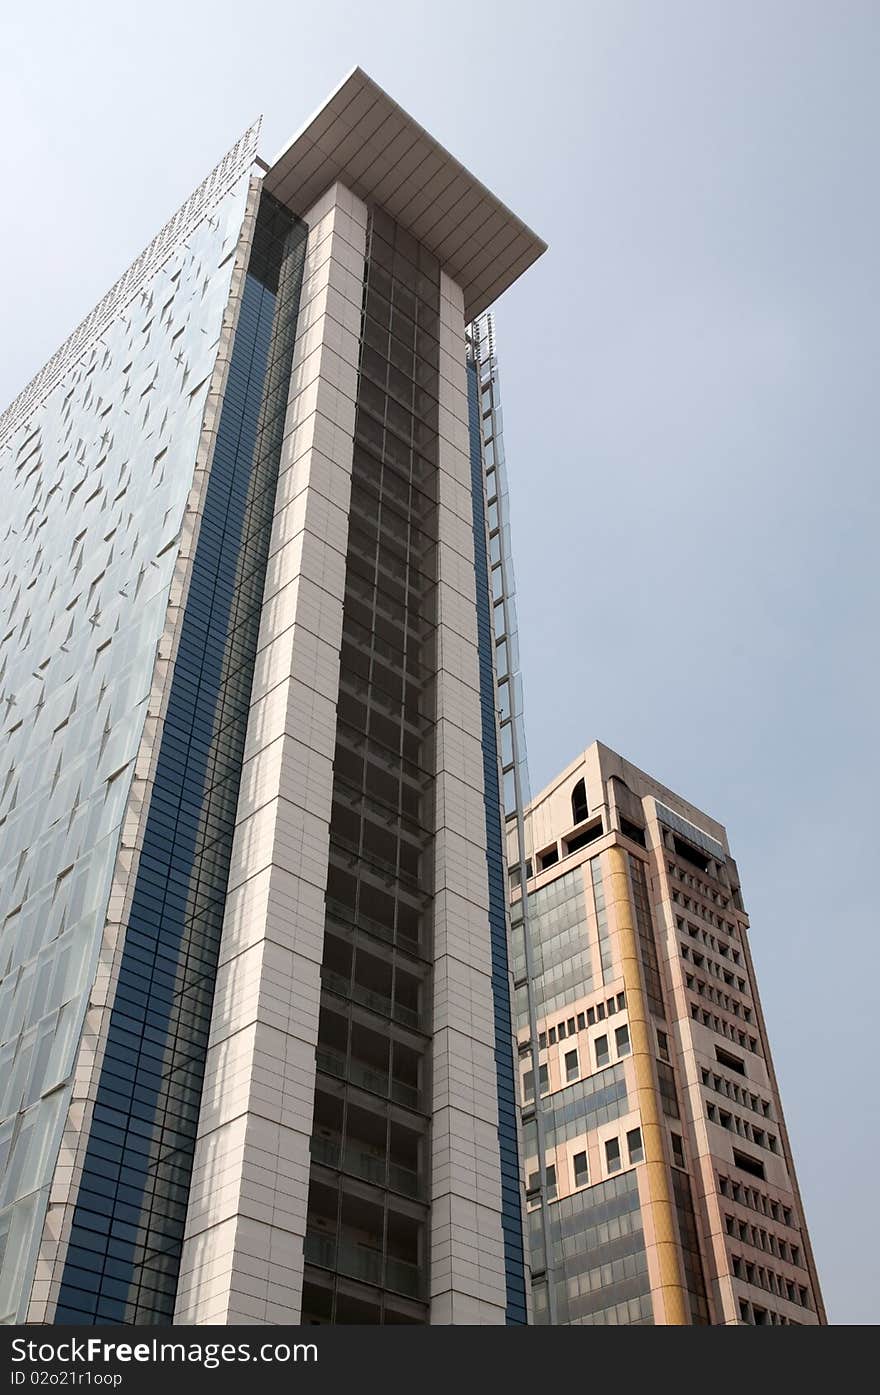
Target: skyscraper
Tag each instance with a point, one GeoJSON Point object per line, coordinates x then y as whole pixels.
{"type": "Point", "coordinates": [256, 1050]}
{"type": "Point", "coordinates": [659, 1177]}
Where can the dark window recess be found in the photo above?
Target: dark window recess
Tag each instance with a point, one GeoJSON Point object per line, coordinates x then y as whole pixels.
{"type": "Point", "coordinates": [666, 1082]}
{"type": "Point", "coordinates": [690, 1247]}
{"type": "Point", "coordinates": [589, 835]}
{"type": "Point", "coordinates": [688, 853]}
{"type": "Point", "coordinates": [515, 874]}
{"type": "Point", "coordinates": [551, 1183]}
{"type": "Point", "coordinates": [746, 1163]}
{"type": "Point", "coordinates": [579, 808]}
{"type": "Point", "coordinates": [548, 858]}
{"type": "Point", "coordinates": [724, 1058]}
{"type": "Point", "coordinates": [633, 832]}
{"type": "Point", "coordinates": [647, 944]}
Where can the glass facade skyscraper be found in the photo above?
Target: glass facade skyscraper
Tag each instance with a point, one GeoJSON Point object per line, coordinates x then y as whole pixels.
{"type": "Point", "coordinates": [256, 1039]}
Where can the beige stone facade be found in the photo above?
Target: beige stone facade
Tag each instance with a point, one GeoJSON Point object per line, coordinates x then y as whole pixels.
{"type": "Point", "coordinates": [672, 1193]}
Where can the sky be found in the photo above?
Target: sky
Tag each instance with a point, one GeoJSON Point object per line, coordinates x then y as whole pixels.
{"type": "Point", "coordinates": [690, 380]}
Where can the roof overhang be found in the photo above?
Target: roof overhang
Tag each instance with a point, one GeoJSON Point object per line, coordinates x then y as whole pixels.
{"type": "Point", "coordinates": [362, 138]}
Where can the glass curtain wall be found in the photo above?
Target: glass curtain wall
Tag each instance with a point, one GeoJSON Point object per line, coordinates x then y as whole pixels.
{"type": "Point", "coordinates": [125, 1244]}
{"type": "Point", "coordinates": [366, 1245]}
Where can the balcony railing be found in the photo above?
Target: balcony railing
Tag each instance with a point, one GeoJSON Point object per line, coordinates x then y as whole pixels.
{"type": "Point", "coordinates": [359, 1162]}
{"type": "Point", "coordinates": [336, 1064]}
{"type": "Point", "coordinates": [358, 1261]}
{"type": "Point", "coordinates": [367, 997]}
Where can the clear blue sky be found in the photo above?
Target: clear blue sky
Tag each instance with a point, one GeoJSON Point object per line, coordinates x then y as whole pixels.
{"type": "Point", "coordinates": [691, 404]}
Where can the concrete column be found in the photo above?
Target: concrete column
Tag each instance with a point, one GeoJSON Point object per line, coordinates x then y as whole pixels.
{"type": "Point", "coordinates": [467, 1249]}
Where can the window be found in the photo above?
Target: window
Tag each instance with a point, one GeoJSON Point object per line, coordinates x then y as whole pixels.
{"type": "Point", "coordinates": [603, 1055]}
{"type": "Point", "coordinates": [666, 1082]}
{"type": "Point", "coordinates": [581, 1171]}
{"type": "Point", "coordinates": [612, 1154]}
{"type": "Point", "coordinates": [688, 853]}
{"type": "Point", "coordinates": [560, 1031]}
{"type": "Point", "coordinates": [634, 1146]}
{"type": "Point", "coordinates": [579, 807]}
{"type": "Point", "coordinates": [591, 1017]}
{"type": "Point", "coordinates": [633, 831]}
{"type": "Point", "coordinates": [746, 1163]}
{"type": "Point", "coordinates": [593, 831]}
{"type": "Point", "coordinates": [621, 1041]}
{"type": "Point", "coordinates": [582, 1022]}
{"type": "Point", "coordinates": [571, 1027]}
{"type": "Point", "coordinates": [611, 1007]}
{"type": "Point", "coordinates": [551, 1183]}
{"type": "Point", "coordinates": [572, 1069]}
{"type": "Point", "coordinates": [551, 1036]}
{"type": "Point", "coordinates": [663, 1045]}
{"type": "Point", "coordinates": [600, 1011]}
{"type": "Point", "coordinates": [621, 1001]}
{"type": "Point", "coordinates": [724, 1058]}
{"type": "Point", "coordinates": [677, 1149]}
{"type": "Point", "coordinates": [529, 1083]}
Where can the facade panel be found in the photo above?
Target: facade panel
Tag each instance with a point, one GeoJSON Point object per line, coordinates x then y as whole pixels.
{"type": "Point", "coordinates": [98, 461]}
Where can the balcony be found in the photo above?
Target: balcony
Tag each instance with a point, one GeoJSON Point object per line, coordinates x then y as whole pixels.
{"type": "Point", "coordinates": [335, 1063]}
{"type": "Point", "coordinates": [369, 998]}
{"type": "Point", "coordinates": [359, 1261]}
{"type": "Point", "coordinates": [369, 1165]}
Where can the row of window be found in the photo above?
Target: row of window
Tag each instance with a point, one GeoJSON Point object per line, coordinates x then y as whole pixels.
{"type": "Point", "coordinates": [724, 1029]}
{"type": "Point", "coordinates": [634, 1147]}
{"type": "Point", "coordinates": [602, 1052]}
{"type": "Point", "coordinates": [706, 937]}
{"type": "Point", "coordinates": [702, 961]}
{"type": "Point", "coordinates": [696, 932]}
{"type": "Point", "coordinates": [621, 1043]}
{"type": "Point", "coordinates": [580, 1166]}
{"type": "Point", "coordinates": [735, 1124]}
{"type": "Point", "coordinates": [688, 878]}
{"type": "Point", "coordinates": [715, 995]}
{"type": "Point", "coordinates": [588, 1103]}
{"type": "Point", "coordinates": [571, 1025]}
{"type": "Point", "coordinates": [763, 1239]}
{"type": "Point", "coordinates": [754, 1316]}
{"type": "Point", "coordinates": [723, 1086]}
{"type": "Point", "coordinates": [697, 907]}
{"type": "Point", "coordinates": [756, 1200]}
{"type": "Point", "coordinates": [550, 856]}
{"type": "Point", "coordinates": [769, 1280]}
{"type": "Point", "coordinates": [598, 1253]}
